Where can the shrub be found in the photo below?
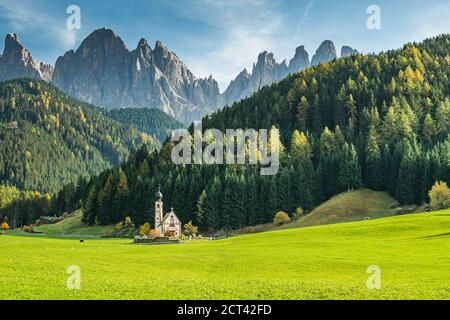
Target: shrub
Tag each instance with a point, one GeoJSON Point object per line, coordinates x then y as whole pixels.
{"type": "Point", "coordinates": [169, 234]}
{"type": "Point", "coordinates": [281, 218]}
{"type": "Point", "coordinates": [439, 196]}
{"type": "Point", "coordinates": [29, 229]}
{"type": "Point", "coordinates": [154, 233]}
{"type": "Point", "coordinates": [144, 230]}
{"type": "Point", "coordinates": [4, 226]}
{"type": "Point", "coordinates": [299, 212]}
{"type": "Point", "coordinates": [190, 229]}
{"type": "Point", "coordinates": [128, 223]}
{"type": "Point", "coordinates": [119, 226]}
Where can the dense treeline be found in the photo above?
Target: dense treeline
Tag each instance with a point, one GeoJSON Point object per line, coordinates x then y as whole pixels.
{"type": "Point", "coordinates": [155, 122]}
{"type": "Point", "coordinates": [18, 208]}
{"type": "Point", "coordinates": [380, 121]}
{"type": "Point", "coordinates": [48, 139]}
{"type": "Point", "coordinates": [213, 197]}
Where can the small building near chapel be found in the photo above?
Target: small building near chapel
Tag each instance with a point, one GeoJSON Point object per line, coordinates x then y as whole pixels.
{"type": "Point", "coordinates": [167, 224]}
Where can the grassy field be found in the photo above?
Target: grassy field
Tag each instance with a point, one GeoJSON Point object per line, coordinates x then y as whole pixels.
{"type": "Point", "coordinates": [326, 262]}
{"type": "Point", "coordinates": [72, 227]}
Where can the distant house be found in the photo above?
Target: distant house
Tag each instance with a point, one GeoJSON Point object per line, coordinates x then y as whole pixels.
{"type": "Point", "coordinates": [13, 125]}
{"type": "Point", "coordinates": [167, 224]}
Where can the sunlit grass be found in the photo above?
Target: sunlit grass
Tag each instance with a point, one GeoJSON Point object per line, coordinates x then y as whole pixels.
{"type": "Point", "coordinates": [327, 262]}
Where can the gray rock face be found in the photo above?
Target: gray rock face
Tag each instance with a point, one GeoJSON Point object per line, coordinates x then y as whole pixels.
{"type": "Point", "coordinates": [347, 51]}
{"type": "Point", "coordinates": [236, 89]}
{"type": "Point", "coordinates": [104, 72]}
{"type": "Point", "coordinates": [265, 72]}
{"type": "Point", "coordinates": [325, 52]}
{"type": "Point", "coordinates": [300, 60]}
{"type": "Point", "coordinates": [46, 71]}
{"type": "Point", "coordinates": [17, 62]}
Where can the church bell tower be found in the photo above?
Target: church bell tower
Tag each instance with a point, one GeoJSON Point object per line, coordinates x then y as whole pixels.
{"type": "Point", "coordinates": [159, 213]}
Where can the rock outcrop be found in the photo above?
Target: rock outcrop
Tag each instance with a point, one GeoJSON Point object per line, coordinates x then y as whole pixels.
{"type": "Point", "coordinates": [17, 62]}
{"type": "Point", "coordinates": [347, 51]}
{"type": "Point", "coordinates": [325, 52]}
{"type": "Point", "coordinates": [265, 72]}
{"type": "Point", "coordinates": [300, 61]}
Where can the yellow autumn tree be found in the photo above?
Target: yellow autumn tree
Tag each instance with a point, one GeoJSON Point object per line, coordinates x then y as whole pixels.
{"type": "Point", "coordinates": [144, 230]}
{"type": "Point", "coordinates": [281, 218]}
{"type": "Point", "coordinates": [439, 196]}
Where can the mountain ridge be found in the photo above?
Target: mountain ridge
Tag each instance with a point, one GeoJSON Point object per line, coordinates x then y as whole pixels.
{"type": "Point", "coordinates": [105, 72]}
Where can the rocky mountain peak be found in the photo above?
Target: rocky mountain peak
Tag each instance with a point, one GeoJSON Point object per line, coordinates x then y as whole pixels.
{"type": "Point", "coordinates": [143, 43]}
{"type": "Point", "coordinates": [244, 73]}
{"type": "Point", "coordinates": [347, 51]}
{"type": "Point", "coordinates": [300, 61]}
{"type": "Point", "coordinates": [161, 49]}
{"type": "Point", "coordinates": [104, 72]}
{"type": "Point", "coordinates": [164, 57]}
{"type": "Point", "coordinates": [102, 42]}
{"type": "Point", "coordinates": [325, 52]}
{"type": "Point", "coordinates": [14, 49]}
{"type": "Point", "coordinates": [17, 62]}
{"type": "Point", "coordinates": [265, 59]}
{"type": "Point", "coordinates": [12, 43]}
{"type": "Point", "coordinates": [143, 49]}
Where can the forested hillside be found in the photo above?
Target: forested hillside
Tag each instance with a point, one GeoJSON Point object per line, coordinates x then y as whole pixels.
{"type": "Point", "coordinates": [380, 121]}
{"type": "Point", "coordinates": [393, 109]}
{"type": "Point", "coordinates": [49, 139]}
{"type": "Point", "coordinates": [152, 121]}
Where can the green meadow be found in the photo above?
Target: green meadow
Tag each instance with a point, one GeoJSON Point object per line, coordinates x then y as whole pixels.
{"type": "Point", "coordinates": [324, 262]}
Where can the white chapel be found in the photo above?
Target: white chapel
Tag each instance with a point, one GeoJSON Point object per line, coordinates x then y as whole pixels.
{"type": "Point", "coordinates": [166, 224]}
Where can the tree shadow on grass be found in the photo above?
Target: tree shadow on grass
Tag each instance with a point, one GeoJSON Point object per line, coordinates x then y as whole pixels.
{"type": "Point", "coordinates": [441, 235]}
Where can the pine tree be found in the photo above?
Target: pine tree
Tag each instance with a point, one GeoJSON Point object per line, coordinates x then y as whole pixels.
{"type": "Point", "coordinates": [350, 169]}
{"type": "Point", "coordinates": [91, 206]}
{"type": "Point", "coordinates": [212, 206]}
{"type": "Point", "coordinates": [406, 183]}
{"type": "Point", "coordinates": [352, 114]}
{"type": "Point", "coordinates": [374, 173]}
{"type": "Point", "coordinates": [105, 200]}
{"type": "Point", "coordinates": [429, 128]}
{"type": "Point", "coordinates": [302, 113]}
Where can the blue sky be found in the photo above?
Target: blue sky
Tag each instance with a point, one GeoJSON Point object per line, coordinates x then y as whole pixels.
{"type": "Point", "coordinates": [221, 37]}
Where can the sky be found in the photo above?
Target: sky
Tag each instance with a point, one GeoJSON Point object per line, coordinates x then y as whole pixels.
{"type": "Point", "coordinates": [222, 37]}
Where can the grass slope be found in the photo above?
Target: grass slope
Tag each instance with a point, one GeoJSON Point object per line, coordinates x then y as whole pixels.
{"type": "Point", "coordinates": [73, 227]}
{"type": "Point", "coordinates": [349, 207]}
{"type": "Point", "coordinates": [325, 262]}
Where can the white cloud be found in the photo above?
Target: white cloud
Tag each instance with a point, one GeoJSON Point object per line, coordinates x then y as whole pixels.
{"type": "Point", "coordinates": [25, 16]}
{"type": "Point", "coordinates": [249, 27]}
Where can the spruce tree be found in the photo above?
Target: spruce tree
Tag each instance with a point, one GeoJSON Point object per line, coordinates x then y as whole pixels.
{"type": "Point", "coordinates": [350, 169]}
